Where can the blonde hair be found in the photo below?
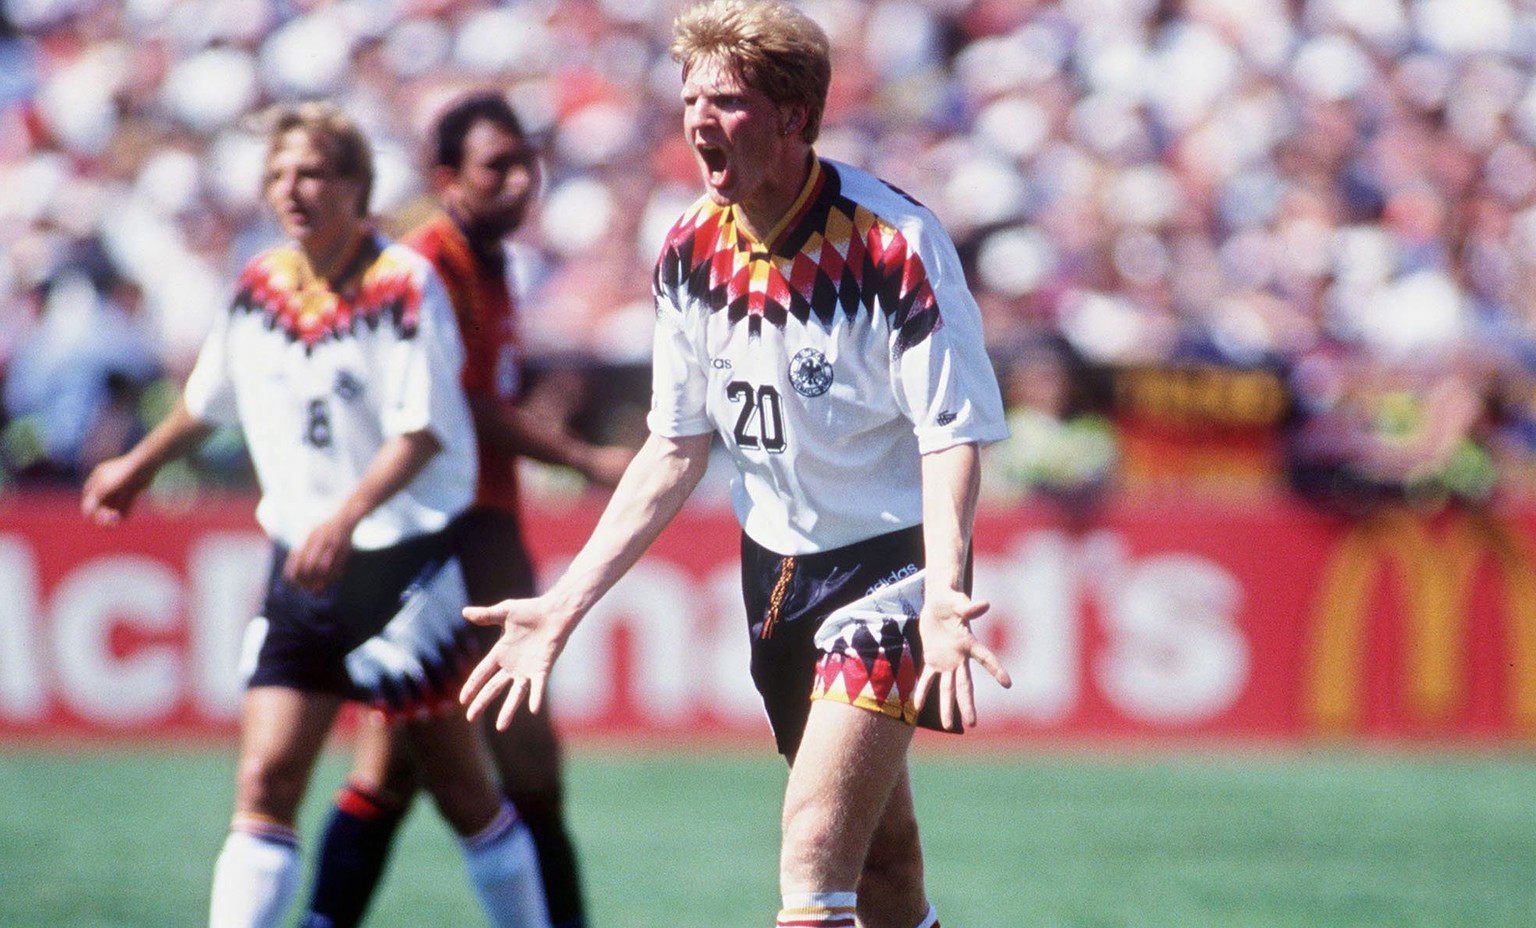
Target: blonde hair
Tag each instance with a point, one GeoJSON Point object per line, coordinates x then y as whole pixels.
{"type": "Point", "coordinates": [769, 44]}
{"type": "Point", "coordinates": [346, 147]}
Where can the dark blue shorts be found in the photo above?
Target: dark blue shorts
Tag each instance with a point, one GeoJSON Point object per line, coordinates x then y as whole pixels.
{"type": "Point", "coordinates": [388, 632]}
{"type": "Point", "coordinates": [789, 597]}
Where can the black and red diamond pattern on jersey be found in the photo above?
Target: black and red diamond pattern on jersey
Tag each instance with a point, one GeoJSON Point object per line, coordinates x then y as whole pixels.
{"type": "Point", "coordinates": [273, 285]}
{"type": "Point", "coordinates": [835, 258]}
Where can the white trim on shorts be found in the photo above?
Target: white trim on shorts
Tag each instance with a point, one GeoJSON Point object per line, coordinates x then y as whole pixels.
{"type": "Point", "coordinates": [900, 600]}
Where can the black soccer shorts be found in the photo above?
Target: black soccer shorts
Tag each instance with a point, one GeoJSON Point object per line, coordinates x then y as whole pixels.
{"type": "Point", "coordinates": [789, 598]}
{"type": "Point", "coordinates": [389, 632]}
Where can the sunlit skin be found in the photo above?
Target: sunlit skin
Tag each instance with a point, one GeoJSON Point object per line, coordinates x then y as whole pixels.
{"type": "Point", "coordinates": [494, 185]}
{"type": "Point", "coordinates": [749, 149]}
{"type": "Point", "coordinates": [315, 207]}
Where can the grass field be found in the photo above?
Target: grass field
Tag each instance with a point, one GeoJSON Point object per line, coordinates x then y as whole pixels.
{"type": "Point", "coordinates": [92, 839]}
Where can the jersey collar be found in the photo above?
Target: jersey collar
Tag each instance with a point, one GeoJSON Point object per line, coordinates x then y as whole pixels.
{"type": "Point", "coordinates": [771, 242]}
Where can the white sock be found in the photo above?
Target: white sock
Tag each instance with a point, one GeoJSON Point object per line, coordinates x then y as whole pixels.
{"type": "Point", "coordinates": [818, 910]}
{"type": "Point", "coordinates": [255, 877]}
{"type": "Point", "coordinates": [504, 869]}
{"type": "Point", "coordinates": [931, 920]}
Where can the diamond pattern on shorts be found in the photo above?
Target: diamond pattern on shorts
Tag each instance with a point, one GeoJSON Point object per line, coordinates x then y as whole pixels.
{"type": "Point", "coordinates": [870, 668]}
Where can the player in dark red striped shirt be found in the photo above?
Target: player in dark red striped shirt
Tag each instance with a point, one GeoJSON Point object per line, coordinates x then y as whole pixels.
{"type": "Point", "coordinates": [484, 174]}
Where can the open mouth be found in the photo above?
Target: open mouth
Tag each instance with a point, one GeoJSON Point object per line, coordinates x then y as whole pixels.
{"type": "Point", "coordinates": [714, 159]}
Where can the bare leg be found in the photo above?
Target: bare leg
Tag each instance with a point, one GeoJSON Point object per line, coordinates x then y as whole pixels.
{"type": "Point", "coordinates": [453, 769]}
{"type": "Point", "coordinates": [527, 755]}
{"type": "Point", "coordinates": [840, 795]}
{"type": "Point", "coordinates": [528, 759]}
{"type": "Point", "coordinates": [499, 851]}
{"type": "Point", "coordinates": [257, 872]}
{"type": "Point", "coordinates": [382, 760]}
{"type": "Point", "coordinates": [891, 889]}
{"type": "Point", "coordinates": [281, 734]}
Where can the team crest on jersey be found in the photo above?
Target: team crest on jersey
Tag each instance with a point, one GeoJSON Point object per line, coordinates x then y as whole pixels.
{"type": "Point", "coordinates": [810, 372]}
{"type": "Point", "coordinates": [348, 387]}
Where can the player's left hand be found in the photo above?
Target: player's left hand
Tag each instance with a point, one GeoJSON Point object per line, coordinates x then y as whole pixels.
{"type": "Point", "coordinates": [949, 646]}
{"type": "Point", "coordinates": [317, 562]}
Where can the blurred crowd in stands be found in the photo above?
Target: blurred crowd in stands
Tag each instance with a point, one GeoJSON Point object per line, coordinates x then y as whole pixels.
{"type": "Point", "coordinates": [1227, 247]}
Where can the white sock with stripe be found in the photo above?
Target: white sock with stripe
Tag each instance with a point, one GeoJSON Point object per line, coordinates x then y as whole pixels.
{"type": "Point", "coordinates": [255, 877]}
{"type": "Point", "coordinates": [504, 868]}
{"type": "Point", "coordinates": [818, 910]}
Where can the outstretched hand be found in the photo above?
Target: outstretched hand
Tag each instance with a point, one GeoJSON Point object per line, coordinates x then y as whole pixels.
{"type": "Point", "coordinates": [518, 664]}
{"type": "Point", "coordinates": [949, 646]}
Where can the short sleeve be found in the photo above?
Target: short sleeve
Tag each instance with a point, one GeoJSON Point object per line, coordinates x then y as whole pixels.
{"type": "Point", "coordinates": [678, 380]}
{"type": "Point", "coordinates": [946, 382]}
{"type": "Point", "coordinates": [423, 387]}
{"type": "Point", "coordinates": [210, 392]}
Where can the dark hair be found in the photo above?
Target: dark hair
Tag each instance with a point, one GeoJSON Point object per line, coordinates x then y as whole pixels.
{"type": "Point", "coordinates": [456, 121]}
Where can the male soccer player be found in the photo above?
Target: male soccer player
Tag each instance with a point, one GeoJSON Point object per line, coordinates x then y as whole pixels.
{"type": "Point", "coordinates": [339, 358]}
{"type": "Point", "coordinates": [816, 322]}
{"type": "Point", "coordinates": [484, 174]}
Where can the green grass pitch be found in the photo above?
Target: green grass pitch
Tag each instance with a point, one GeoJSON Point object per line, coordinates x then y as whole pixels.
{"type": "Point", "coordinates": [120, 838]}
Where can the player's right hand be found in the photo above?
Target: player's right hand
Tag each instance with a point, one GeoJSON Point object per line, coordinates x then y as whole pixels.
{"type": "Point", "coordinates": [110, 490]}
{"type": "Point", "coordinates": [518, 664]}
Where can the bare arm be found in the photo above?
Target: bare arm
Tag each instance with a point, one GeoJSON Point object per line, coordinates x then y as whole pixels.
{"type": "Point", "coordinates": [114, 484]}
{"type": "Point", "coordinates": [523, 431]}
{"type": "Point", "coordinates": [951, 485]}
{"type": "Point", "coordinates": [534, 631]}
{"type": "Point", "coordinates": [320, 558]}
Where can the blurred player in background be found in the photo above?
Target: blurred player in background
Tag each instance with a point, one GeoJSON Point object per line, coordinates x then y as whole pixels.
{"type": "Point", "coordinates": [484, 174]}
{"type": "Point", "coordinates": [338, 357]}
{"type": "Point", "coordinates": [816, 322]}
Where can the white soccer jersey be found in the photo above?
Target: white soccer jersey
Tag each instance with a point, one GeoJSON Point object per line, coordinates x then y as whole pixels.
{"type": "Point", "coordinates": [828, 358]}
{"type": "Point", "coordinates": [318, 382]}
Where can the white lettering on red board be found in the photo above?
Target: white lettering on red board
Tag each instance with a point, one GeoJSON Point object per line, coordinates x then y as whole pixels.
{"type": "Point", "coordinates": [1169, 650]}
{"type": "Point", "coordinates": [228, 572]}
{"type": "Point", "coordinates": [185, 626]}
{"type": "Point", "coordinates": [112, 689]}
{"type": "Point", "coordinates": [1172, 651]}
{"type": "Point", "coordinates": [23, 696]}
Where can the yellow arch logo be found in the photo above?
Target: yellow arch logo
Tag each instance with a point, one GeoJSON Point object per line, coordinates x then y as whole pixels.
{"type": "Point", "coordinates": [1435, 571]}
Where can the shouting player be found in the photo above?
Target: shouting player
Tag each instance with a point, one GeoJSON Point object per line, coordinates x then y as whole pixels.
{"type": "Point", "coordinates": [816, 322]}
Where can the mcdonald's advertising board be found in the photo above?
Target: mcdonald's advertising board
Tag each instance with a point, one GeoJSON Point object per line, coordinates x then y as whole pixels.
{"type": "Point", "coordinates": [1154, 622]}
